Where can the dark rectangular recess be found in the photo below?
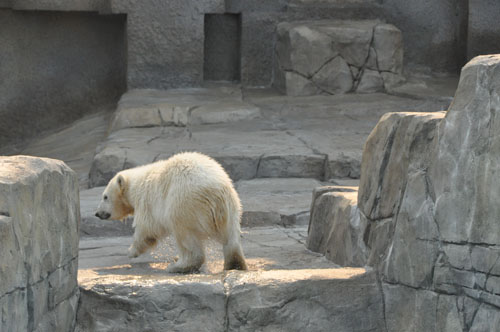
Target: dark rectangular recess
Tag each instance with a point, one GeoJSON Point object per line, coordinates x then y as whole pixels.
{"type": "Point", "coordinates": [222, 57]}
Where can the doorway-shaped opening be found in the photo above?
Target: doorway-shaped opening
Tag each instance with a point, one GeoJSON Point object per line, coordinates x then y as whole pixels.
{"type": "Point", "coordinates": [222, 47]}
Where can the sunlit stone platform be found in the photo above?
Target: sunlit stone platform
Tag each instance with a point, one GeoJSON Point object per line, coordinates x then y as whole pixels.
{"type": "Point", "coordinates": [287, 288]}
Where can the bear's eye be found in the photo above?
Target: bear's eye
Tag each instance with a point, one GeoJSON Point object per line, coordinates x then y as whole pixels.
{"type": "Point", "coordinates": [105, 197]}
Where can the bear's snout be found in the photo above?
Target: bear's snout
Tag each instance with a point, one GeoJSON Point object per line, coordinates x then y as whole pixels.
{"type": "Point", "coordinates": [102, 215]}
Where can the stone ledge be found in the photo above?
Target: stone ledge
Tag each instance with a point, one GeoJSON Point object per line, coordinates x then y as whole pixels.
{"type": "Point", "coordinates": [286, 286]}
{"type": "Point", "coordinates": [103, 6]}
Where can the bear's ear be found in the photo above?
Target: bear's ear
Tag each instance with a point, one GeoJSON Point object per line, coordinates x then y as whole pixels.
{"type": "Point", "coordinates": [121, 182]}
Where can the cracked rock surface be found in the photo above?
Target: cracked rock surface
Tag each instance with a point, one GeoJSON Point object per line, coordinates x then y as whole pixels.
{"type": "Point", "coordinates": [39, 216]}
{"type": "Point", "coordinates": [338, 56]}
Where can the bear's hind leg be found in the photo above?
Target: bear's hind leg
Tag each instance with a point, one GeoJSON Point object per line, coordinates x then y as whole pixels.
{"type": "Point", "coordinates": [233, 257]}
{"type": "Point", "coordinates": [191, 255]}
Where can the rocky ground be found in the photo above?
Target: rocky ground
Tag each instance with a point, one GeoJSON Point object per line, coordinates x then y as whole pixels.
{"type": "Point", "coordinates": [277, 150]}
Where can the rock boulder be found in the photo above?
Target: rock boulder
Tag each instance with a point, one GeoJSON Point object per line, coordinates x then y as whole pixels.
{"type": "Point", "coordinates": [39, 221]}
{"type": "Point", "coordinates": [327, 56]}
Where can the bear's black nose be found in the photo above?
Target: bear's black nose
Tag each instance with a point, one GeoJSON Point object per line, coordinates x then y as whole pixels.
{"type": "Point", "coordinates": [102, 215]}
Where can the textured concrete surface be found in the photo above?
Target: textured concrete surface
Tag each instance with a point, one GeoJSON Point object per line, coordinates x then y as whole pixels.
{"type": "Point", "coordinates": [39, 217]}
{"type": "Point", "coordinates": [57, 67]}
{"type": "Point", "coordinates": [443, 50]}
{"type": "Point", "coordinates": [483, 33]}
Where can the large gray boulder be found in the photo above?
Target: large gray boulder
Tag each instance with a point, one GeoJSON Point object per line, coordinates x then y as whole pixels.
{"type": "Point", "coordinates": [39, 221]}
{"type": "Point", "coordinates": [467, 158]}
{"type": "Point", "coordinates": [429, 192]}
{"type": "Point", "coordinates": [335, 56]}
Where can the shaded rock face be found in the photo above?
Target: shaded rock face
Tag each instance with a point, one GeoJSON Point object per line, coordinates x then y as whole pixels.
{"type": "Point", "coordinates": [333, 56]}
{"type": "Point", "coordinates": [429, 192]}
{"type": "Point", "coordinates": [277, 300]}
{"type": "Point", "coordinates": [336, 228]}
{"type": "Point", "coordinates": [39, 217]}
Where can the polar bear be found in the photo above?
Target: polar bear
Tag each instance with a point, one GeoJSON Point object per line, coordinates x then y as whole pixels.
{"type": "Point", "coordinates": [188, 196]}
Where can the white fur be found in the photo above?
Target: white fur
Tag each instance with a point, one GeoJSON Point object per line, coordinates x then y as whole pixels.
{"type": "Point", "coordinates": [189, 196]}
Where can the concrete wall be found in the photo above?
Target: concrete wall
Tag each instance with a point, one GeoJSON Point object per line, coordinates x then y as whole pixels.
{"type": "Point", "coordinates": [260, 19]}
{"type": "Point", "coordinates": [165, 41]}
{"type": "Point", "coordinates": [56, 66]}
{"type": "Point", "coordinates": [433, 32]}
{"type": "Point", "coordinates": [484, 29]}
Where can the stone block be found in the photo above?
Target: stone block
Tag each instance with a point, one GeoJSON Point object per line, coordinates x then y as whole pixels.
{"type": "Point", "coordinates": [39, 229]}
{"type": "Point", "coordinates": [326, 56]}
{"type": "Point", "coordinates": [388, 46]}
{"type": "Point", "coordinates": [336, 228]}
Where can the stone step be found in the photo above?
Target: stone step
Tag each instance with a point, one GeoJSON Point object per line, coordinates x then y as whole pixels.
{"type": "Point", "coordinates": [253, 134]}
{"type": "Point", "coordinates": [217, 103]}
{"type": "Point", "coordinates": [266, 202]}
{"type": "Point", "coordinates": [286, 288]}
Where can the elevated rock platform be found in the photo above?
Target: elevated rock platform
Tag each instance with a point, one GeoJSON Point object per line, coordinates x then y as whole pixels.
{"type": "Point", "coordinates": [286, 288]}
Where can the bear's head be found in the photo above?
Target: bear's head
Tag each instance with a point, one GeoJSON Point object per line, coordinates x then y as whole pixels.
{"type": "Point", "coordinates": [114, 203]}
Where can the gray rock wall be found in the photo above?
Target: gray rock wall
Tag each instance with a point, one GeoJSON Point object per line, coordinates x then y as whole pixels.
{"type": "Point", "coordinates": [55, 67]}
{"type": "Point", "coordinates": [444, 246]}
{"type": "Point", "coordinates": [429, 193]}
{"type": "Point", "coordinates": [39, 220]}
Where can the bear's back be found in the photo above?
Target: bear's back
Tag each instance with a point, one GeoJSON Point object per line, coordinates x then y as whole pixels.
{"type": "Point", "coordinates": [189, 170]}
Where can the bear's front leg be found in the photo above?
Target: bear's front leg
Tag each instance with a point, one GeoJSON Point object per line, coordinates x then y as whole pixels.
{"type": "Point", "coordinates": [141, 244]}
